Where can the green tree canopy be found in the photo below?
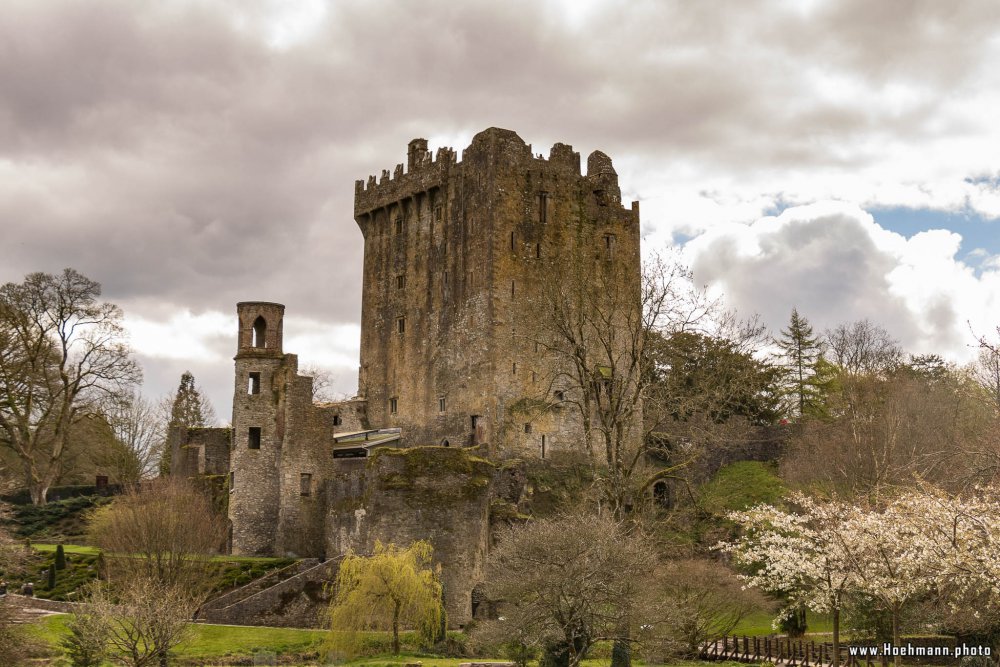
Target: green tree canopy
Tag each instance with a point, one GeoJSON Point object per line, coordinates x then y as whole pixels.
{"type": "Point", "coordinates": [391, 588]}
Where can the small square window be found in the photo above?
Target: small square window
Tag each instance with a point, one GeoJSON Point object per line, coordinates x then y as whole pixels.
{"type": "Point", "coordinates": [254, 386]}
{"type": "Point", "coordinates": [393, 406]}
{"type": "Point", "coordinates": [305, 484]}
{"type": "Point", "coordinates": [337, 421]}
{"type": "Point", "coordinates": [401, 325]}
{"type": "Point", "coordinates": [527, 427]}
{"type": "Point", "coordinates": [253, 437]}
{"type": "Point", "coordinates": [442, 404]}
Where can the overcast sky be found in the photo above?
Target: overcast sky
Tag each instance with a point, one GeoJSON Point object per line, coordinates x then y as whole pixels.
{"type": "Point", "coordinates": [842, 157]}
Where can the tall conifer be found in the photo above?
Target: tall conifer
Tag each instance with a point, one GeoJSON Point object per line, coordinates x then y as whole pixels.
{"type": "Point", "coordinates": [802, 354]}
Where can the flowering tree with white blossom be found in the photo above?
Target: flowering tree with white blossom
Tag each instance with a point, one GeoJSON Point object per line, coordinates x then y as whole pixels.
{"type": "Point", "coordinates": [922, 541]}
{"type": "Point", "coordinates": [802, 556]}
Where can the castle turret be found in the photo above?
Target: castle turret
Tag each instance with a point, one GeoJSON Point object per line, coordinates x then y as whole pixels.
{"type": "Point", "coordinates": [258, 427]}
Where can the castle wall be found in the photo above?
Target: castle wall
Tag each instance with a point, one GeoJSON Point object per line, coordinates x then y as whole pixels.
{"type": "Point", "coordinates": [466, 254]}
{"type": "Point", "coordinates": [436, 494]}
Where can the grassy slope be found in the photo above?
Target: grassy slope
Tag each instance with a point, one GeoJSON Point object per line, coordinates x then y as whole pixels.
{"type": "Point", "coordinates": [217, 643]}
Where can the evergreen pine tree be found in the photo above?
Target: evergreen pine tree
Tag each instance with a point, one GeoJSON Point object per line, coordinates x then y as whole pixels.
{"type": "Point", "coordinates": [802, 353]}
{"type": "Point", "coordinates": [189, 410]}
{"type": "Point", "coordinates": [60, 557]}
{"type": "Point", "coordinates": [51, 582]}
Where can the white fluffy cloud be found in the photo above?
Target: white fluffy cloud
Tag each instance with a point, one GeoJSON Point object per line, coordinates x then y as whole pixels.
{"type": "Point", "coordinates": [835, 264]}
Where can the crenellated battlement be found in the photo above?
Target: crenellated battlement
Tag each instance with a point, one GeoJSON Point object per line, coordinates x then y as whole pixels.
{"type": "Point", "coordinates": [423, 171]}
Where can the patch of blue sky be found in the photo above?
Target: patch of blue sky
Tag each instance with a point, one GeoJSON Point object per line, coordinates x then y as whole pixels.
{"type": "Point", "coordinates": [978, 233]}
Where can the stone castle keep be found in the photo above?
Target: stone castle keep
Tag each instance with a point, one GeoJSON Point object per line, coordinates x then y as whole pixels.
{"type": "Point", "coordinates": [460, 262]}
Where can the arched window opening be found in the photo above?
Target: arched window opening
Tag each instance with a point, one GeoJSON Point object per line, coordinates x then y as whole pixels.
{"type": "Point", "coordinates": [661, 495]}
{"type": "Point", "coordinates": [445, 443]}
{"type": "Point", "coordinates": [260, 332]}
{"type": "Point", "coordinates": [336, 420]}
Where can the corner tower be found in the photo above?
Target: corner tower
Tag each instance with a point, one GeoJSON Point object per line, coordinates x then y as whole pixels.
{"type": "Point", "coordinates": [258, 428]}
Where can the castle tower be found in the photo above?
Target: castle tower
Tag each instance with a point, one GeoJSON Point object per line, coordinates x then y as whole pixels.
{"type": "Point", "coordinates": [458, 257]}
{"type": "Point", "coordinates": [258, 428]}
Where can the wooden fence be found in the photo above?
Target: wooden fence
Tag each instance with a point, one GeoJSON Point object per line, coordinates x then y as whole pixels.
{"type": "Point", "coordinates": [784, 652]}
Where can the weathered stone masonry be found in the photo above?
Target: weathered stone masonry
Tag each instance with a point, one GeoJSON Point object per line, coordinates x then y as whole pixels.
{"type": "Point", "coordinates": [458, 255]}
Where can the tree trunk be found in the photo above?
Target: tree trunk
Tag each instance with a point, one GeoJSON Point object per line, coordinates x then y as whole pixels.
{"type": "Point", "coordinates": [395, 629]}
{"type": "Point", "coordinates": [895, 633]}
{"type": "Point", "coordinates": [836, 637]}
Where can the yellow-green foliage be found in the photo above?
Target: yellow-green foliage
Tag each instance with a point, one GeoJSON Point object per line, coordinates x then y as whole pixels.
{"type": "Point", "coordinates": [393, 587]}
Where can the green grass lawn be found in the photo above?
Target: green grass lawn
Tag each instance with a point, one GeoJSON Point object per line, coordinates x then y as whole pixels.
{"type": "Point", "coordinates": [216, 644]}
{"type": "Point", "coordinates": [68, 548]}
{"type": "Point", "coordinates": [758, 624]}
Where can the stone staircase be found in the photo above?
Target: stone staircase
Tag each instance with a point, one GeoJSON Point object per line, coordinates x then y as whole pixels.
{"type": "Point", "coordinates": [272, 578]}
{"type": "Point", "coordinates": [23, 609]}
{"type": "Point", "coordinates": [294, 596]}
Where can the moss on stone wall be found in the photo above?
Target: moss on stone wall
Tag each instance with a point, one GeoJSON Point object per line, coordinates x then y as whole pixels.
{"type": "Point", "coordinates": [432, 474]}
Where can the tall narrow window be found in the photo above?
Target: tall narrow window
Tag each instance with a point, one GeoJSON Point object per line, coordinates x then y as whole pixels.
{"type": "Point", "coordinates": [543, 207]}
{"type": "Point", "coordinates": [534, 377]}
{"type": "Point", "coordinates": [513, 368]}
{"type": "Point", "coordinates": [337, 421]}
{"type": "Point", "coordinates": [609, 247]}
{"type": "Point", "coordinates": [438, 213]}
{"type": "Point", "coordinates": [543, 446]}
{"type": "Point", "coordinates": [253, 437]}
{"type": "Point", "coordinates": [512, 240]}
{"type": "Point", "coordinates": [442, 404]}
{"type": "Point", "coordinates": [399, 224]}
{"type": "Point", "coordinates": [254, 385]}
{"type": "Point", "coordinates": [305, 484]}
{"type": "Point", "coordinates": [232, 481]}
{"type": "Point", "coordinates": [512, 288]}
{"type": "Point", "coordinates": [393, 406]}
{"type": "Point", "coordinates": [401, 325]}
{"type": "Point", "coordinates": [260, 332]}
{"type": "Point", "coordinates": [538, 251]}
{"type": "Point", "coordinates": [400, 282]}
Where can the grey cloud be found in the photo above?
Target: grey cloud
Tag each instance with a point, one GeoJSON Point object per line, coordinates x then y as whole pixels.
{"type": "Point", "coordinates": [168, 151]}
{"type": "Point", "coordinates": [828, 267]}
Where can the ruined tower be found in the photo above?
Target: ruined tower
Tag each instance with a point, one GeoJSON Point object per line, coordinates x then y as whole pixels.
{"type": "Point", "coordinates": [258, 428]}
{"type": "Point", "coordinates": [460, 258]}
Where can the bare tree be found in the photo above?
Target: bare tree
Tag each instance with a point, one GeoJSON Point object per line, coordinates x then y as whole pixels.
{"type": "Point", "coordinates": [136, 621]}
{"type": "Point", "coordinates": [61, 350]}
{"type": "Point", "coordinates": [569, 582]}
{"type": "Point", "coordinates": [986, 371]}
{"type": "Point", "coordinates": [863, 348]}
{"type": "Point", "coordinates": [323, 383]}
{"type": "Point", "coordinates": [168, 531]}
{"type": "Point", "coordinates": [649, 365]}
{"type": "Point", "coordinates": [705, 602]}
{"type": "Point", "coordinates": [139, 433]}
